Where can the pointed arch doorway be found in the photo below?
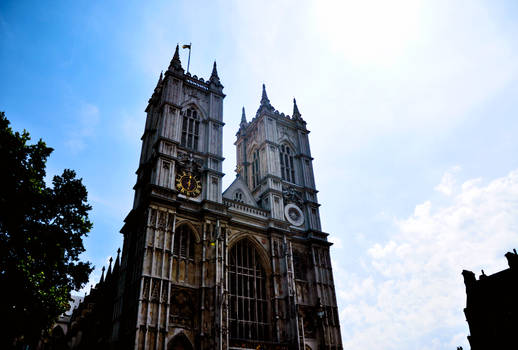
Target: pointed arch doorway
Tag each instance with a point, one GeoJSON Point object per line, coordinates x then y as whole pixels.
{"type": "Point", "coordinates": [179, 342]}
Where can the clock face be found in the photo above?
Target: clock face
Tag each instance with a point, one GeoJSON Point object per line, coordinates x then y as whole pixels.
{"type": "Point", "coordinates": [188, 184]}
{"type": "Point", "coordinates": [293, 214]}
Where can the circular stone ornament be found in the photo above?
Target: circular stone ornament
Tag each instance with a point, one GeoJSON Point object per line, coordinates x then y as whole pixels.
{"type": "Point", "coordinates": [293, 214]}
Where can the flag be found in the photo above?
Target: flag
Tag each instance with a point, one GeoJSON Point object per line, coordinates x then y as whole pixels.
{"type": "Point", "coordinates": [186, 46]}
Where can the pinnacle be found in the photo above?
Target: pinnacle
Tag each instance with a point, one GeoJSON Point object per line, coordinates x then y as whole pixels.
{"type": "Point", "coordinates": [264, 97]}
{"type": "Point", "coordinates": [214, 71]}
{"type": "Point", "coordinates": [117, 261]}
{"type": "Point", "coordinates": [296, 113]}
{"type": "Point", "coordinates": [159, 80]}
{"type": "Point", "coordinates": [109, 267]}
{"type": "Point", "coordinates": [102, 276]}
{"type": "Point", "coordinates": [243, 117]}
{"type": "Point", "coordinates": [265, 103]}
{"type": "Point", "coordinates": [214, 78]}
{"type": "Point", "coordinates": [176, 53]}
{"type": "Point", "coordinates": [175, 62]}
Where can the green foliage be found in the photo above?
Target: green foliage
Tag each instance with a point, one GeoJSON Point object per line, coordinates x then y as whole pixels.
{"type": "Point", "coordinates": [41, 237]}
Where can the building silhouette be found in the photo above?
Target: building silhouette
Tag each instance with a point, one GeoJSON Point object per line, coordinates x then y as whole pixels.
{"type": "Point", "coordinates": [202, 268]}
{"type": "Point", "coordinates": [492, 307]}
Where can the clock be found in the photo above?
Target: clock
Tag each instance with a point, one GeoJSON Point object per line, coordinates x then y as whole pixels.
{"type": "Point", "coordinates": [188, 184]}
{"type": "Point", "coordinates": [293, 214]}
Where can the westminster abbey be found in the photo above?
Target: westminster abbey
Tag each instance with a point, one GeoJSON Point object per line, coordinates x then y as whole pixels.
{"type": "Point", "coordinates": [247, 267]}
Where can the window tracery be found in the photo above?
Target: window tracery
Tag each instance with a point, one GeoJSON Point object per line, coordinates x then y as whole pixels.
{"type": "Point", "coordinates": [287, 167]}
{"type": "Point", "coordinates": [248, 294]}
{"type": "Point", "coordinates": [184, 243]}
{"type": "Point", "coordinates": [299, 265]}
{"type": "Point", "coordinates": [190, 129]}
{"type": "Point", "coordinates": [255, 168]}
{"type": "Point", "coordinates": [238, 196]}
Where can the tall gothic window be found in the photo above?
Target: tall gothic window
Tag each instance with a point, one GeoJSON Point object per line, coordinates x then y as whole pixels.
{"type": "Point", "coordinates": [184, 243]}
{"type": "Point", "coordinates": [255, 168]}
{"type": "Point", "coordinates": [248, 296]}
{"type": "Point", "coordinates": [287, 168]}
{"type": "Point", "coordinates": [299, 265]}
{"type": "Point", "coordinates": [190, 129]}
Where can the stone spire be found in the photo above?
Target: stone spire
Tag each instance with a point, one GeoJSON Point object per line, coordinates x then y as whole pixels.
{"type": "Point", "coordinates": [243, 117]}
{"type": "Point", "coordinates": [117, 262]}
{"type": "Point", "coordinates": [159, 81]}
{"type": "Point", "coordinates": [109, 268]}
{"type": "Point", "coordinates": [264, 98]}
{"type": "Point", "coordinates": [175, 62]}
{"type": "Point", "coordinates": [296, 114]}
{"type": "Point", "coordinates": [214, 78]}
{"type": "Point", "coordinates": [265, 103]}
{"type": "Point", "coordinates": [102, 277]}
{"type": "Point", "coordinates": [214, 74]}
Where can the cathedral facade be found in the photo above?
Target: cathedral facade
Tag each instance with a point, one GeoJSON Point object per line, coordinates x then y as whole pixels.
{"type": "Point", "coordinates": [205, 268]}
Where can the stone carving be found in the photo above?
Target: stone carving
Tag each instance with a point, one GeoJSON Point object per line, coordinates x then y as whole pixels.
{"type": "Point", "coordinates": [145, 290]}
{"type": "Point", "coordinates": [188, 162]}
{"type": "Point", "coordinates": [289, 194]}
{"type": "Point", "coordinates": [155, 291]}
{"type": "Point", "coordinates": [182, 307]}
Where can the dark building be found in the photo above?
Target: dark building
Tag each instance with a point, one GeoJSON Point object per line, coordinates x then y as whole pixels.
{"type": "Point", "coordinates": [492, 307]}
{"type": "Point", "coordinates": [90, 326]}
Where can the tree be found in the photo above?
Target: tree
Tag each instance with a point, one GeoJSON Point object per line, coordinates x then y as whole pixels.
{"type": "Point", "coordinates": [41, 237]}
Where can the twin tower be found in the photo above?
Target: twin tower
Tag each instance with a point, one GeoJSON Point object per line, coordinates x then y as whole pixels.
{"type": "Point", "coordinates": [203, 268]}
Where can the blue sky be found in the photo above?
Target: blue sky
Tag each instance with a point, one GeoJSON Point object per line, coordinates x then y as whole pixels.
{"type": "Point", "coordinates": [412, 107]}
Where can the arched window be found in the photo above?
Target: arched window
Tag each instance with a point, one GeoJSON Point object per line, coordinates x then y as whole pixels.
{"type": "Point", "coordinates": [190, 129]}
{"type": "Point", "coordinates": [255, 168]}
{"type": "Point", "coordinates": [299, 265]}
{"type": "Point", "coordinates": [287, 168]}
{"type": "Point", "coordinates": [184, 243]}
{"type": "Point", "coordinates": [238, 196]}
{"type": "Point", "coordinates": [248, 295]}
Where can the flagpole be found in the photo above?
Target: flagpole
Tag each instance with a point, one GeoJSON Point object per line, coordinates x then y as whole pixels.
{"type": "Point", "coordinates": [189, 59]}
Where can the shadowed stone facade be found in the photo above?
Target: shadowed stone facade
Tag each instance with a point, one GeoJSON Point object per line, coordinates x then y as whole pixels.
{"type": "Point", "coordinates": [203, 268]}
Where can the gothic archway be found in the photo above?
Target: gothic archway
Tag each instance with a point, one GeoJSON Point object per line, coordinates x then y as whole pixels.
{"type": "Point", "coordinates": [249, 293]}
{"type": "Point", "coordinates": [179, 342]}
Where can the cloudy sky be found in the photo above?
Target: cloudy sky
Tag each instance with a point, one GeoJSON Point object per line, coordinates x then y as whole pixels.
{"type": "Point", "coordinates": [412, 107]}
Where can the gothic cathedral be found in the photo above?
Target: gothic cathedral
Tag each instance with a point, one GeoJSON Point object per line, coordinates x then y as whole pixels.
{"type": "Point", "coordinates": [203, 268]}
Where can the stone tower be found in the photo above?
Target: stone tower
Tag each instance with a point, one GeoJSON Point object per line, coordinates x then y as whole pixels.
{"type": "Point", "coordinates": [202, 268]}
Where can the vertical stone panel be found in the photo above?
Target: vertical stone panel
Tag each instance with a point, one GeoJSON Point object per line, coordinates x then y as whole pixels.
{"type": "Point", "coordinates": [181, 274]}
{"type": "Point", "coordinates": [147, 261]}
{"type": "Point", "coordinates": [149, 236]}
{"type": "Point", "coordinates": [154, 313]}
{"type": "Point", "coordinates": [158, 263]}
{"type": "Point", "coordinates": [167, 238]}
{"type": "Point", "coordinates": [167, 264]}
{"type": "Point", "coordinates": [141, 339]}
{"type": "Point", "coordinates": [151, 339]}
{"type": "Point", "coordinates": [174, 275]}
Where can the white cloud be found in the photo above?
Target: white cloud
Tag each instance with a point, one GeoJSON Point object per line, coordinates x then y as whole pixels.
{"type": "Point", "coordinates": [370, 31]}
{"type": "Point", "coordinates": [448, 182]}
{"type": "Point", "coordinates": [419, 292]}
